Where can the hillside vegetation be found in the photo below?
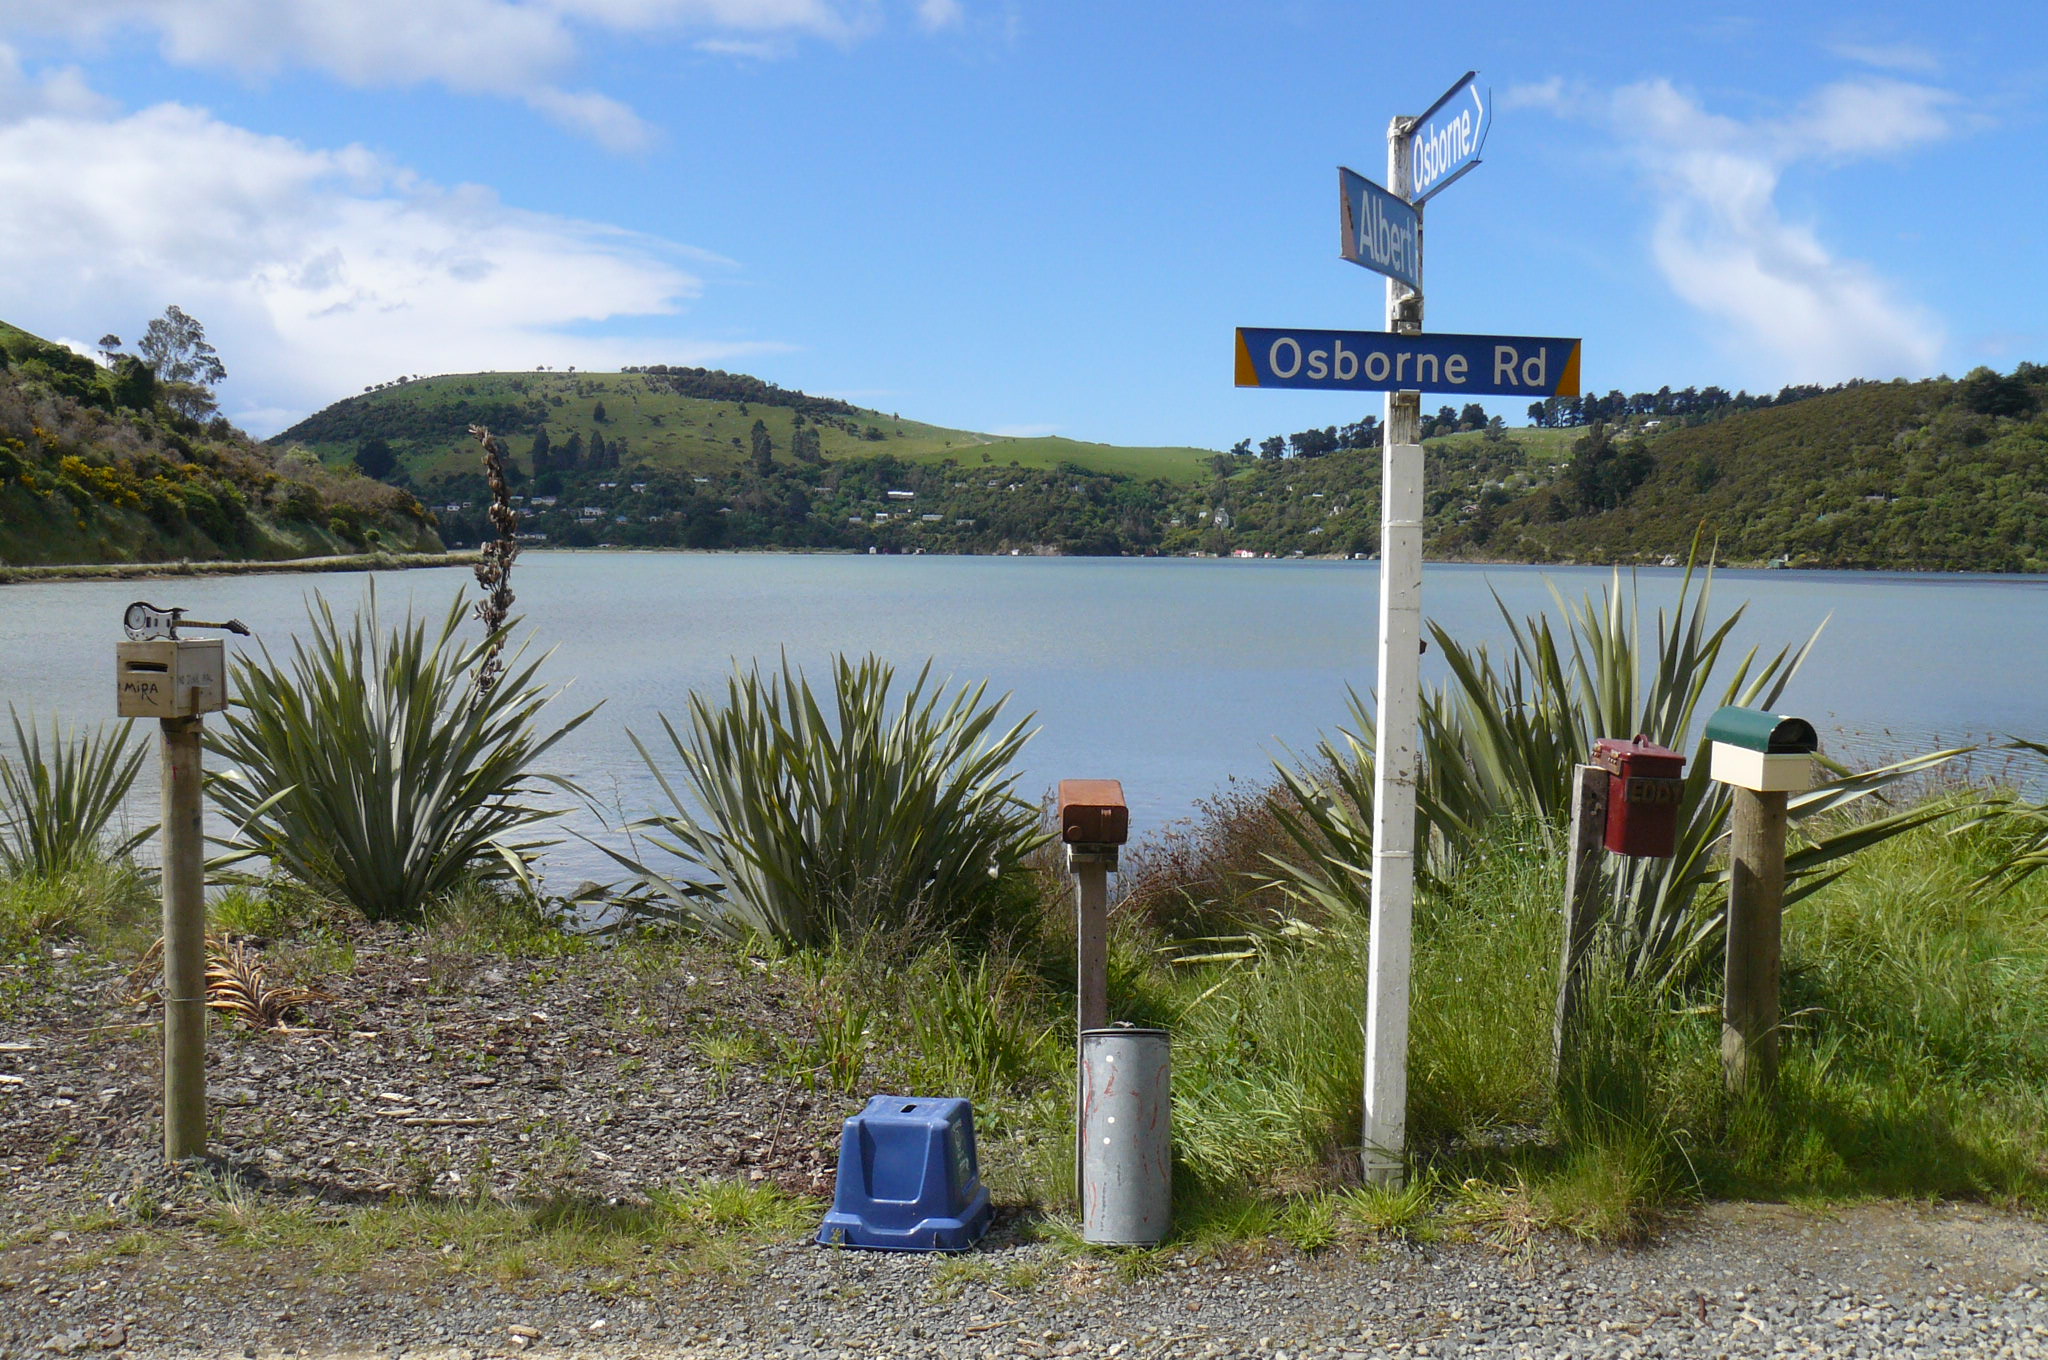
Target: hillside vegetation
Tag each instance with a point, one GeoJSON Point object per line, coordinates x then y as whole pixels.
{"type": "Point", "coordinates": [1934, 475]}
{"type": "Point", "coordinates": [1940, 474]}
{"type": "Point", "coordinates": [660, 419]}
{"type": "Point", "coordinates": [97, 466]}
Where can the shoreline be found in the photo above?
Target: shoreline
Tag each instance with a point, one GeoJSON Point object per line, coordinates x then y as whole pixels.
{"type": "Point", "coordinates": [128, 571]}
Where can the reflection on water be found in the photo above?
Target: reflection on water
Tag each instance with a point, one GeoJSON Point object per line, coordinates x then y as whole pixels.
{"type": "Point", "coordinates": [1174, 676]}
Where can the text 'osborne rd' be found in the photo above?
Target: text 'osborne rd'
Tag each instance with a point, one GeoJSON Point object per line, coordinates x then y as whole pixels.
{"type": "Point", "coordinates": [1379, 361]}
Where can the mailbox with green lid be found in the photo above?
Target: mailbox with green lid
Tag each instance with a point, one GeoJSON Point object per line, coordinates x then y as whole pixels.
{"type": "Point", "coordinates": [1765, 752]}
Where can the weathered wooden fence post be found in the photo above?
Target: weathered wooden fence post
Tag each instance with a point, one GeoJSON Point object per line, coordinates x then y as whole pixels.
{"type": "Point", "coordinates": [1756, 893]}
{"type": "Point", "coordinates": [177, 680]}
{"type": "Point", "coordinates": [1581, 899]}
{"type": "Point", "coordinates": [184, 884]}
{"type": "Point", "coordinates": [1763, 757]}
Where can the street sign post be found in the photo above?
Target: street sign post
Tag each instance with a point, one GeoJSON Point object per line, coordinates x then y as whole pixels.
{"type": "Point", "coordinates": [1445, 141]}
{"type": "Point", "coordinates": [1379, 230]}
{"type": "Point", "coordinates": [1379, 361]}
{"type": "Point", "coordinates": [1382, 230]}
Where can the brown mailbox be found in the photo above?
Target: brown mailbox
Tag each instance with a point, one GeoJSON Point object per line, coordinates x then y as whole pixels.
{"type": "Point", "coordinates": [1092, 812]}
{"type": "Point", "coordinates": [1644, 789]}
{"type": "Point", "coordinates": [170, 677]}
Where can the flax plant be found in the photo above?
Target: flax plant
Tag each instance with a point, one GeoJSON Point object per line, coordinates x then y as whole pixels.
{"type": "Point", "coordinates": [1501, 738]}
{"type": "Point", "coordinates": [807, 827]}
{"type": "Point", "coordinates": [57, 801]}
{"type": "Point", "coordinates": [2025, 825]}
{"type": "Point", "coordinates": [372, 767]}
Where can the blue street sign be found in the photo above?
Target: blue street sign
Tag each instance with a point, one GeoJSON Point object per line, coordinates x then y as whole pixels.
{"type": "Point", "coordinates": [1445, 141]}
{"type": "Point", "coordinates": [1380, 361]}
{"type": "Point", "coordinates": [1379, 231]}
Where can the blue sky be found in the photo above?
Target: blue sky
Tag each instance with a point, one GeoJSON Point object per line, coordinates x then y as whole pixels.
{"type": "Point", "coordinates": [1010, 216]}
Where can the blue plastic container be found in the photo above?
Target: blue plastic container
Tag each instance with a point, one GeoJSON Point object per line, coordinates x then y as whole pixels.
{"type": "Point", "coordinates": [909, 1179]}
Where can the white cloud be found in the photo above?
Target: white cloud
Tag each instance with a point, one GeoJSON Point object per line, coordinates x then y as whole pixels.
{"type": "Point", "coordinates": [938, 14]}
{"type": "Point", "coordinates": [752, 49]}
{"type": "Point", "coordinates": [511, 48]}
{"type": "Point", "coordinates": [315, 271]}
{"type": "Point", "coordinates": [604, 119]}
{"type": "Point", "coordinates": [1888, 56]}
{"type": "Point", "coordinates": [1869, 116]}
{"type": "Point", "coordinates": [1552, 95]}
{"type": "Point", "coordinates": [61, 91]}
{"type": "Point", "coordinates": [1726, 248]}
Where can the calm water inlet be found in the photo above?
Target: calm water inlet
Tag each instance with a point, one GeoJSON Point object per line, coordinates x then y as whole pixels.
{"type": "Point", "coordinates": [1173, 675]}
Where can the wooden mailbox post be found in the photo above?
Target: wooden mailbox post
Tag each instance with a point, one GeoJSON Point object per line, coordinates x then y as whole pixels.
{"type": "Point", "coordinates": [177, 681]}
{"type": "Point", "coordinates": [1763, 757]}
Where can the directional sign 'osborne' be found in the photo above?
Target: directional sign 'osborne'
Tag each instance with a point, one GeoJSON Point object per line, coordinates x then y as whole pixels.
{"type": "Point", "coordinates": [1446, 140]}
{"type": "Point", "coordinates": [1380, 361]}
{"type": "Point", "coordinates": [1380, 231]}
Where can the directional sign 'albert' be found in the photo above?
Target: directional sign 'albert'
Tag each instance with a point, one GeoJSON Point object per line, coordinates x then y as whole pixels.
{"type": "Point", "coordinates": [1382, 361]}
{"type": "Point", "coordinates": [1380, 231]}
{"type": "Point", "coordinates": [1446, 140]}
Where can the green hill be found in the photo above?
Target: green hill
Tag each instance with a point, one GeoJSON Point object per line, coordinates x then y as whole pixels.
{"type": "Point", "coordinates": [1931, 475]}
{"type": "Point", "coordinates": [693, 421]}
{"type": "Point", "coordinates": [1935, 475]}
{"type": "Point", "coordinates": [96, 467]}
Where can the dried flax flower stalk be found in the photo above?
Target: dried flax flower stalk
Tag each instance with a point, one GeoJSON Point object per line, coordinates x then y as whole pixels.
{"type": "Point", "coordinates": [494, 568]}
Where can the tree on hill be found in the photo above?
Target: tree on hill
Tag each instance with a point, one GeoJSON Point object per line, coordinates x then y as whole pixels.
{"type": "Point", "coordinates": [598, 414]}
{"type": "Point", "coordinates": [542, 452]}
{"type": "Point", "coordinates": [569, 455]}
{"type": "Point", "coordinates": [1314, 443]}
{"type": "Point", "coordinates": [805, 445]}
{"type": "Point", "coordinates": [135, 386]}
{"type": "Point", "coordinates": [374, 458]}
{"type": "Point", "coordinates": [176, 351]}
{"type": "Point", "coordinates": [1989, 393]}
{"type": "Point", "coordinates": [764, 447]}
{"type": "Point", "coordinates": [1604, 473]}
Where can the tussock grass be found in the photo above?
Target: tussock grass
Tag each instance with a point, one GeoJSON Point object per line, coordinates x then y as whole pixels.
{"type": "Point", "coordinates": [107, 904]}
{"type": "Point", "coordinates": [1915, 1059]}
{"type": "Point", "coordinates": [682, 1229]}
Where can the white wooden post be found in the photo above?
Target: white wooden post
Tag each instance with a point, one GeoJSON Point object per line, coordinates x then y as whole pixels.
{"type": "Point", "coordinates": [1581, 903]}
{"type": "Point", "coordinates": [1395, 758]}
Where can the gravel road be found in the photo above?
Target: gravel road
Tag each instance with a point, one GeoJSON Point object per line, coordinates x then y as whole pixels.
{"type": "Point", "coordinates": [1876, 1279]}
{"type": "Point", "coordinates": [586, 1078]}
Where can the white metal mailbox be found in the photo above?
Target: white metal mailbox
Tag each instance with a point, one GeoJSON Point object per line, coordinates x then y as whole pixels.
{"type": "Point", "coordinates": [170, 677]}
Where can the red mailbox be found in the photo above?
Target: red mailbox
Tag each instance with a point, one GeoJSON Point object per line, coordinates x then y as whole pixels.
{"type": "Point", "coordinates": [1644, 788]}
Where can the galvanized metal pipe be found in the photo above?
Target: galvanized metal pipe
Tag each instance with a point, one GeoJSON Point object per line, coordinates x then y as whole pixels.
{"type": "Point", "coordinates": [1126, 1121]}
